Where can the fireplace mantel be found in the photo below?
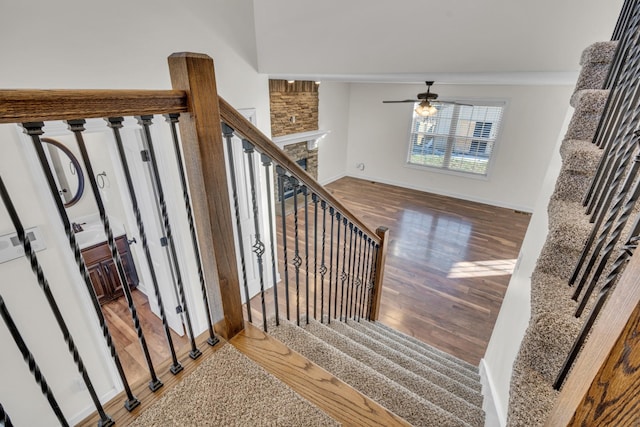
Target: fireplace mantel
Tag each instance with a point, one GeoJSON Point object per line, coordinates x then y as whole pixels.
{"type": "Point", "coordinates": [311, 138]}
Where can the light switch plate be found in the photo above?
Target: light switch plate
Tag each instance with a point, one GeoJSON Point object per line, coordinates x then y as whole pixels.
{"type": "Point", "coordinates": [11, 248]}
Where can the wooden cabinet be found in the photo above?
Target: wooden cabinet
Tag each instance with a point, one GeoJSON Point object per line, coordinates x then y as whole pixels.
{"type": "Point", "coordinates": [103, 271]}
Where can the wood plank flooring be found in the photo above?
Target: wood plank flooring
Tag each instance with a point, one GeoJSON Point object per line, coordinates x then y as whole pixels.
{"type": "Point", "coordinates": [448, 264]}
{"type": "Point", "coordinates": [126, 341]}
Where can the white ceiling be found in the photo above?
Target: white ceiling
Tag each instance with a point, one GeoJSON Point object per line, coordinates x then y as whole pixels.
{"type": "Point", "coordinates": [454, 41]}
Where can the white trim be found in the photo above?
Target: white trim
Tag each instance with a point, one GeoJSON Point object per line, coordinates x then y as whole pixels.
{"type": "Point", "coordinates": [498, 203]}
{"type": "Point", "coordinates": [491, 404]}
{"type": "Point", "coordinates": [311, 137]}
{"type": "Point", "coordinates": [329, 180]}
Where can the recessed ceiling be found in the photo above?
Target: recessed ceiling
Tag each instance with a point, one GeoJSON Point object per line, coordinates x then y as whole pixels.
{"type": "Point", "coordinates": [455, 41]}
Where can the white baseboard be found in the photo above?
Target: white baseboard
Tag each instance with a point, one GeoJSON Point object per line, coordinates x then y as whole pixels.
{"type": "Point", "coordinates": [331, 179]}
{"type": "Point", "coordinates": [500, 204]}
{"type": "Point", "coordinates": [492, 406]}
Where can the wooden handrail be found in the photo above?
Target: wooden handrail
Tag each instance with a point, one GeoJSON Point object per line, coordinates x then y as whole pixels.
{"type": "Point", "coordinates": [33, 105]}
{"type": "Point", "coordinates": [241, 125]}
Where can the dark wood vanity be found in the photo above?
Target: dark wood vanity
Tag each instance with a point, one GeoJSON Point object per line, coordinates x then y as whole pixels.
{"type": "Point", "coordinates": [103, 271]}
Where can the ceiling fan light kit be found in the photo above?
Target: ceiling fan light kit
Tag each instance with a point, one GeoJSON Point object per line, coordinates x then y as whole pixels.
{"type": "Point", "coordinates": [428, 102]}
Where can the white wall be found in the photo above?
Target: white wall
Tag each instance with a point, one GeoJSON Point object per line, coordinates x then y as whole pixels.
{"type": "Point", "coordinates": [515, 311]}
{"type": "Point", "coordinates": [76, 44]}
{"type": "Point", "coordinates": [333, 110]}
{"type": "Point", "coordinates": [379, 138]}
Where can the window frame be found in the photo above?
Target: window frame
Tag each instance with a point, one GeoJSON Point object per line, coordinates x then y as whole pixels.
{"type": "Point", "coordinates": [493, 102]}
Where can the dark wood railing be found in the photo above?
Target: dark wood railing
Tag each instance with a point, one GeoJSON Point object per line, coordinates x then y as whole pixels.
{"type": "Point", "coordinates": [201, 126]}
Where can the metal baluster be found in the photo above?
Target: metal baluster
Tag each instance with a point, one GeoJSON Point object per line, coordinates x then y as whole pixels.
{"type": "Point", "coordinates": [614, 179]}
{"type": "Point", "coordinates": [332, 214]}
{"type": "Point", "coordinates": [613, 239]}
{"type": "Point", "coordinates": [616, 269]}
{"type": "Point", "coordinates": [358, 278]}
{"type": "Point", "coordinates": [281, 178]}
{"type": "Point", "coordinates": [354, 276]}
{"type": "Point", "coordinates": [34, 129]}
{"type": "Point", "coordinates": [161, 205]}
{"type": "Point", "coordinates": [227, 133]}
{"type": "Point", "coordinates": [315, 200]}
{"type": "Point", "coordinates": [258, 246]}
{"type": "Point", "coordinates": [5, 421]}
{"type": "Point", "coordinates": [614, 123]}
{"type": "Point", "coordinates": [626, 211]}
{"type": "Point", "coordinates": [105, 420]}
{"type": "Point", "coordinates": [344, 276]}
{"type": "Point", "coordinates": [305, 193]}
{"type": "Point", "coordinates": [297, 261]}
{"type": "Point", "coordinates": [625, 254]}
{"type": "Point", "coordinates": [617, 203]}
{"type": "Point", "coordinates": [338, 218]}
{"type": "Point", "coordinates": [77, 127]}
{"type": "Point", "coordinates": [622, 49]}
{"type": "Point", "coordinates": [31, 362]}
{"type": "Point", "coordinates": [115, 123]}
{"type": "Point", "coordinates": [323, 266]}
{"type": "Point", "coordinates": [602, 181]}
{"type": "Point", "coordinates": [266, 162]}
{"type": "Point", "coordinates": [172, 119]}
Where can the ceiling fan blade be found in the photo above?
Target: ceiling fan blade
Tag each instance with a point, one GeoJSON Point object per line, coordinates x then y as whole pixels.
{"type": "Point", "coordinates": [405, 100]}
{"type": "Point", "coordinates": [451, 103]}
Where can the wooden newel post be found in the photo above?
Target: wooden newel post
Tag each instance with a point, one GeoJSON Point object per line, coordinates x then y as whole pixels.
{"type": "Point", "coordinates": [202, 143]}
{"type": "Point", "coordinates": [383, 233]}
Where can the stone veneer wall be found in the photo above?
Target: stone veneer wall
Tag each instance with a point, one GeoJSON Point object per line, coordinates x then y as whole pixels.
{"type": "Point", "coordinates": [294, 109]}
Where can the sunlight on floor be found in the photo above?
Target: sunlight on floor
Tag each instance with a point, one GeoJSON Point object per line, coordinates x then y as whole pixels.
{"type": "Point", "coordinates": [498, 267]}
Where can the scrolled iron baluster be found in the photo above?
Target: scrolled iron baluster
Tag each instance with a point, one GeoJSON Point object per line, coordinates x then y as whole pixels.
{"type": "Point", "coordinates": [282, 177]}
{"type": "Point", "coordinates": [5, 421]}
{"type": "Point", "coordinates": [173, 119]}
{"type": "Point", "coordinates": [227, 133]}
{"type": "Point", "coordinates": [266, 163]}
{"type": "Point", "coordinates": [616, 269]}
{"type": "Point", "coordinates": [619, 225]}
{"type": "Point", "coordinates": [365, 273]}
{"type": "Point", "coordinates": [29, 253]}
{"type": "Point", "coordinates": [332, 214]}
{"type": "Point", "coordinates": [323, 265]}
{"type": "Point", "coordinates": [33, 365]}
{"type": "Point", "coordinates": [297, 260]}
{"type": "Point", "coordinates": [358, 278]}
{"type": "Point", "coordinates": [161, 205]}
{"type": "Point", "coordinates": [305, 193]}
{"type": "Point", "coordinates": [77, 127]}
{"type": "Point", "coordinates": [344, 276]}
{"type": "Point", "coordinates": [617, 204]}
{"type": "Point", "coordinates": [115, 123]}
{"type": "Point", "coordinates": [34, 130]}
{"type": "Point", "coordinates": [258, 247]}
{"type": "Point", "coordinates": [315, 200]}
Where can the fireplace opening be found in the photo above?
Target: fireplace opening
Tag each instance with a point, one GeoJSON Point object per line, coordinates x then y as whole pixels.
{"type": "Point", "coordinates": [288, 187]}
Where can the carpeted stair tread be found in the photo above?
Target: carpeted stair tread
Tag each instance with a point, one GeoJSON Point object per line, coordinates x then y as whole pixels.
{"type": "Point", "coordinates": [420, 346]}
{"type": "Point", "coordinates": [363, 378]}
{"type": "Point", "coordinates": [556, 261]}
{"type": "Point", "coordinates": [531, 398]}
{"type": "Point", "coordinates": [585, 119]}
{"type": "Point", "coordinates": [399, 354]}
{"type": "Point", "coordinates": [432, 386]}
{"type": "Point", "coordinates": [580, 156]}
{"type": "Point", "coordinates": [596, 61]}
{"type": "Point", "coordinates": [571, 186]}
{"type": "Point", "coordinates": [551, 294]}
{"type": "Point", "coordinates": [228, 389]}
{"type": "Point", "coordinates": [569, 227]}
{"type": "Point", "coordinates": [418, 352]}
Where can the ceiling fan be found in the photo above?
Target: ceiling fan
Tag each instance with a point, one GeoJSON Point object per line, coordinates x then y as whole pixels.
{"type": "Point", "coordinates": [428, 102]}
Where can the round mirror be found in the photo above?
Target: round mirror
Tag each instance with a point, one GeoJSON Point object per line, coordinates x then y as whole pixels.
{"type": "Point", "coordinates": [66, 171]}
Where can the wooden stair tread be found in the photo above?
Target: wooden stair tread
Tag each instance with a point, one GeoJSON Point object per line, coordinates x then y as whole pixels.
{"type": "Point", "coordinates": [318, 386]}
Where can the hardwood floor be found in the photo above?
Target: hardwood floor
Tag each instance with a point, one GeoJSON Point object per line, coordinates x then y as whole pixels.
{"type": "Point", "coordinates": [126, 341]}
{"type": "Point", "coordinates": [449, 262]}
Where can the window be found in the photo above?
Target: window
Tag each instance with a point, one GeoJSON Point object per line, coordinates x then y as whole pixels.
{"type": "Point", "coordinates": [458, 137]}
